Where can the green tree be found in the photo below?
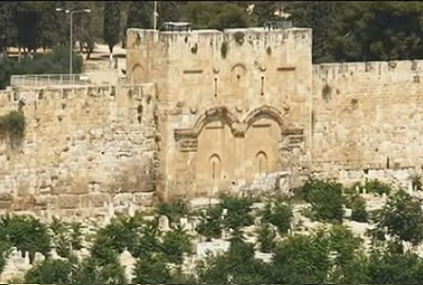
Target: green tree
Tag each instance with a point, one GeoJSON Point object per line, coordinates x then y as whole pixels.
{"type": "Point", "coordinates": [151, 269]}
{"type": "Point", "coordinates": [325, 198]}
{"type": "Point", "coordinates": [211, 16]}
{"type": "Point", "coordinates": [238, 212]}
{"type": "Point", "coordinates": [266, 237]}
{"type": "Point", "coordinates": [302, 259]}
{"type": "Point", "coordinates": [168, 11]}
{"type": "Point", "coordinates": [175, 244]}
{"type": "Point", "coordinates": [210, 224]}
{"type": "Point", "coordinates": [279, 214]}
{"type": "Point", "coordinates": [111, 26]}
{"type": "Point", "coordinates": [402, 218]}
{"type": "Point", "coordinates": [26, 233]}
{"type": "Point", "coordinates": [50, 272]}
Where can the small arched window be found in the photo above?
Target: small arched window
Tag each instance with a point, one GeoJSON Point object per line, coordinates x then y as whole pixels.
{"type": "Point", "coordinates": [261, 162]}
{"type": "Point", "coordinates": [215, 167]}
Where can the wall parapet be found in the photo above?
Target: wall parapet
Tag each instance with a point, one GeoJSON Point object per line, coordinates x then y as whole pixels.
{"type": "Point", "coordinates": [401, 69]}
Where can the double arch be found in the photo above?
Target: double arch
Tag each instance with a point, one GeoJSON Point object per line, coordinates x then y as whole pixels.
{"type": "Point", "coordinates": [239, 127]}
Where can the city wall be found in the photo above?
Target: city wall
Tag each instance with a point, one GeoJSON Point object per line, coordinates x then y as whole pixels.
{"type": "Point", "coordinates": [367, 115]}
{"type": "Point", "coordinates": [207, 111]}
{"type": "Point", "coordinates": [84, 148]}
{"type": "Point", "coordinates": [232, 103]}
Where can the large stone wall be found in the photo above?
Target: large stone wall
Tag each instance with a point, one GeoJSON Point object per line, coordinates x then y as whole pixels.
{"type": "Point", "coordinates": [367, 115]}
{"type": "Point", "coordinates": [232, 103]}
{"type": "Point", "coordinates": [84, 148]}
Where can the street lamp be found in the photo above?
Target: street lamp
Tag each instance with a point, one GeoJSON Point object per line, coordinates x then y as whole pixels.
{"type": "Point", "coordinates": [71, 32]}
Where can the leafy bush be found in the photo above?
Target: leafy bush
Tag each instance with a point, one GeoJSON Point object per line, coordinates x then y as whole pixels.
{"type": "Point", "coordinates": [174, 210]}
{"type": "Point", "coordinates": [279, 214]}
{"type": "Point", "coordinates": [358, 209]}
{"type": "Point", "coordinates": [402, 218]}
{"type": "Point", "coordinates": [26, 233]}
{"type": "Point", "coordinates": [266, 237]}
{"type": "Point", "coordinates": [175, 243]}
{"type": "Point", "coordinates": [377, 187]}
{"type": "Point", "coordinates": [151, 269]}
{"type": "Point", "coordinates": [238, 211]}
{"type": "Point", "coordinates": [210, 224]}
{"type": "Point", "coordinates": [50, 272]}
{"type": "Point", "coordinates": [56, 62]}
{"type": "Point", "coordinates": [12, 127]}
{"type": "Point", "coordinates": [325, 198]}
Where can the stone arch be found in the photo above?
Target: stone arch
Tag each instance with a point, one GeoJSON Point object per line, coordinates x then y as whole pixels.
{"type": "Point", "coordinates": [213, 114]}
{"type": "Point", "coordinates": [239, 66]}
{"type": "Point", "coordinates": [215, 167]}
{"type": "Point", "coordinates": [137, 73]}
{"type": "Point", "coordinates": [265, 111]}
{"type": "Point", "coordinates": [261, 162]}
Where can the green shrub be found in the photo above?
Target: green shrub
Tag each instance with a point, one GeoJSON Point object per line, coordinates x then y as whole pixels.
{"type": "Point", "coordinates": [174, 210]}
{"type": "Point", "coordinates": [56, 62]}
{"type": "Point", "coordinates": [377, 187]}
{"type": "Point", "coordinates": [238, 211]}
{"type": "Point", "coordinates": [175, 244]}
{"type": "Point", "coordinates": [325, 198]}
{"type": "Point", "coordinates": [26, 233]}
{"type": "Point", "coordinates": [358, 209]}
{"type": "Point", "coordinates": [210, 224]}
{"type": "Point", "coordinates": [266, 237]}
{"type": "Point", "coordinates": [279, 214]}
{"type": "Point", "coordinates": [151, 269]}
{"type": "Point", "coordinates": [12, 127]}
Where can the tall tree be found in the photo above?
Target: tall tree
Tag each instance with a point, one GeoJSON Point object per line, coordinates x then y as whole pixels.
{"type": "Point", "coordinates": [168, 12]}
{"type": "Point", "coordinates": [8, 30]}
{"type": "Point", "coordinates": [140, 15]}
{"type": "Point", "coordinates": [111, 26]}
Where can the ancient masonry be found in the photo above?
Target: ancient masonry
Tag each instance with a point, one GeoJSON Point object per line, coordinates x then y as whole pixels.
{"type": "Point", "coordinates": [204, 111]}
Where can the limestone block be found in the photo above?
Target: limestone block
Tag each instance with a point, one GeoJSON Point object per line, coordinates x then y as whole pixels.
{"type": "Point", "coordinates": [5, 205]}
{"type": "Point", "coordinates": [144, 199]}
{"type": "Point", "coordinates": [98, 200]}
{"type": "Point", "coordinates": [68, 201]}
{"type": "Point", "coordinates": [4, 196]}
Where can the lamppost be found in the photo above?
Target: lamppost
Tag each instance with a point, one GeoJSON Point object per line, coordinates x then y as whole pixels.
{"type": "Point", "coordinates": [155, 16]}
{"type": "Point", "coordinates": [71, 32]}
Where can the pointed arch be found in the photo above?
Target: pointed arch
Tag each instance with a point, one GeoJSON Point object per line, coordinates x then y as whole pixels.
{"type": "Point", "coordinates": [213, 114]}
{"type": "Point", "coordinates": [216, 167]}
{"type": "Point", "coordinates": [265, 111]}
{"type": "Point", "coordinates": [261, 162]}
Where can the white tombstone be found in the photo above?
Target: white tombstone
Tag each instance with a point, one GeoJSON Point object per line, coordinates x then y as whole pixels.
{"type": "Point", "coordinates": [131, 210]}
{"type": "Point", "coordinates": [38, 258]}
{"type": "Point", "coordinates": [185, 224]}
{"type": "Point", "coordinates": [164, 223]}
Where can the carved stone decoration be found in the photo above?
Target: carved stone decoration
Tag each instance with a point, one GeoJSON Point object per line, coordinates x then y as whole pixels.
{"type": "Point", "coordinates": [238, 130]}
{"type": "Point", "coordinates": [193, 110]}
{"type": "Point", "coordinates": [239, 108]}
{"type": "Point", "coordinates": [189, 144]}
{"type": "Point", "coordinates": [262, 68]}
{"type": "Point", "coordinates": [238, 127]}
{"type": "Point", "coordinates": [216, 70]}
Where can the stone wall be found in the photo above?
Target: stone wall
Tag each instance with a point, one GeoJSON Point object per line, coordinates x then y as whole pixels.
{"type": "Point", "coordinates": [232, 103]}
{"type": "Point", "coordinates": [367, 115]}
{"type": "Point", "coordinates": [83, 147]}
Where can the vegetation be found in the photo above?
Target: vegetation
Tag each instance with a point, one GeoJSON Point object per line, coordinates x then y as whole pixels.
{"type": "Point", "coordinates": [111, 26]}
{"type": "Point", "coordinates": [325, 198]}
{"type": "Point", "coordinates": [12, 127]}
{"type": "Point", "coordinates": [329, 254]}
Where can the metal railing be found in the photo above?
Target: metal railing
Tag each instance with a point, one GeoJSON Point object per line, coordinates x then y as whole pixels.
{"type": "Point", "coordinates": [50, 79]}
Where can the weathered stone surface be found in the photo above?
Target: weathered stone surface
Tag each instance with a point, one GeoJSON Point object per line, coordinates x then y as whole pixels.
{"type": "Point", "coordinates": [68, 202]}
